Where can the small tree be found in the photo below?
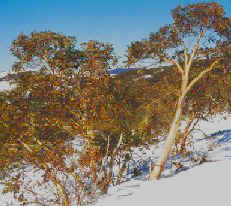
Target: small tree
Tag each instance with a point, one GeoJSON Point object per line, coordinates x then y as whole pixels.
{"type": "Point", "coordinates": [34, 115]}
{"type": "Point", "coordinates": [61, 92]}
{"type": "Point", "coordinates": [106, 114]}
{"type": "Point", "coordinates": [198, 32]}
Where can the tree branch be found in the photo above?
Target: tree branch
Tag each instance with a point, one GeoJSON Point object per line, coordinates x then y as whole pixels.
{"type": "Point", "coordinates": [186, 57]}
{"type": "Point", "coordinates": [195, 48]}
{"type": "Point", "coordinates": [185, 50]}
{"type": "Point", "coordinates": [118, 144]}
{"type": "Point", "coordinates": [179, 68]}
{"type": "Point", "coordinates": [196, 79]}
{"type": "Point", "coordinates": [103, 162]}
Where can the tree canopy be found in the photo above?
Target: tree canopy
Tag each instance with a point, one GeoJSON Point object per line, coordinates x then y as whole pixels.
{"type": "Point", "coordinates": [63, 92]}
{"type": "Point", "coordinates": [200, 33]}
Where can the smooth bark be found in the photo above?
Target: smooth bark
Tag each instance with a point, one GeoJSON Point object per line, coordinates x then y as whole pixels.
{"type": "Point", "coordinates": [186, 86]}
{"type": "Point", "coordinates": [170, 140]}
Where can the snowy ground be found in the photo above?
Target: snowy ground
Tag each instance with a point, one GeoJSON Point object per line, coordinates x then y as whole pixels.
{"type": "Point", "coordinates": [4, 85]}
{"type": "Point", "coordinates": [207, 184]}
{"type": "Point", "coordinates": [204, 184]}
{"type": "Point", "coordinates": [201, 184]}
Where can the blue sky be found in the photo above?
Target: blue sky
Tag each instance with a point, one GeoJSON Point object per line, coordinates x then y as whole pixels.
{"type": "Point", "coordinates": [118, 22]}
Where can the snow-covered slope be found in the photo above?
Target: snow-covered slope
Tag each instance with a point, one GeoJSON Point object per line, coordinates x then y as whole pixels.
{"type": "Point", "coordinates": [205, 184]}
{"type": "Point", "coordinates": [198, 185]}
{"type": "Point", "coordinates": [4, 85]}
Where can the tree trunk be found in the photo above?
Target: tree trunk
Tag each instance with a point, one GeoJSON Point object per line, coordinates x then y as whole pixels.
{"type": "Point", "coordinates": [121, 171]}
{"type": "Point", "coordinates": [170, 140]}
{"type": "Point", "coordinates": [109, 176]}
{"type": "Point", "coordinates": [61, 192]}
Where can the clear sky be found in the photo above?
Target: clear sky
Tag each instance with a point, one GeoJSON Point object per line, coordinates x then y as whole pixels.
{"type": "Point", "coordinates": [116, 21]}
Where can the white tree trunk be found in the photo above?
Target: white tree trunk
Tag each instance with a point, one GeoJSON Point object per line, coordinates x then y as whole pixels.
{"type": "Point", "coordinates": [185, 87]}
{"type": "Point", "coordinates": [169, 142]}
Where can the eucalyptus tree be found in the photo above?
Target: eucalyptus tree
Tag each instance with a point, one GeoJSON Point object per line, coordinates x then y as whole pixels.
{"type": "Point", "coordinates": [62, 92]}
{"type": "Point", "coordinates": [199, 33]}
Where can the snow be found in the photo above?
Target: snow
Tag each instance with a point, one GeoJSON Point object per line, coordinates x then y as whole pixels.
{"type": "Point", "coordinates": [3, 74]}
{"type": "Point", "coordinates": [197, 184]}
{"type": "Point", "coordinates": [147, 76]}
{"type": "Point", "coordinates": [205, 184]}
{"type": "Point", "coordinates": [218, 123]}
{"type": "Point", "coordinates": [4, 85]}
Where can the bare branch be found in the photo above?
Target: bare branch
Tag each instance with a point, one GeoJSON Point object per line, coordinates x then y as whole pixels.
{"type": "Point", "coordinates": [195, 48]}
{"type": "Point", "coordinates": [103, 162]}
{"type": "Point", "coordinates": [196, 79]}
{"type": "Point", "coordinates": [186, 57]}
{"type": "Point", "coordinates": [118, 144]}
{"type": "Point", "coordinates": [27, 147]}
{"type": "Point", "coordinates": [179, 68]}
{"type": "Point", "coordinates": [205, 135]}
{"type": "Point", "coordinates": [193, 127]}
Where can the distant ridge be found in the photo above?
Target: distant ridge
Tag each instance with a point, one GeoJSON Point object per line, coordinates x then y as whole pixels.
{"type": "Point", "coordinates": [6, 76]}
{"type": "Point", "coordinates": [120, 70]}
